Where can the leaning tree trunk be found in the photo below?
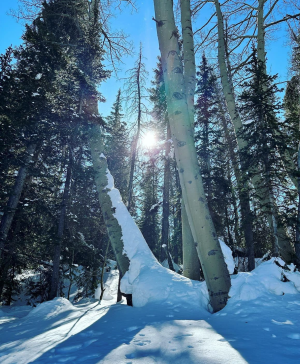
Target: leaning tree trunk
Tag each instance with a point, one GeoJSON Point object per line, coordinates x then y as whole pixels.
{"type": "Point", "coordinates": [208, 247]}
{"type": "Point", "coordinates": [191, 264]}
{"type": "Point", "coordinates": [60, 232]}
{"type": "Point", "coordinates": [14, 198]}
{"type": "Point", "coordinates": [100, 168]}
{"type": "Point", "coordinates": [243, 193]}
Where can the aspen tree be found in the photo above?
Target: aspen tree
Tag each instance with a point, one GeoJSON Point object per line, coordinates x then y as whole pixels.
{"type": "Point", "coordinates": [279, 232]}
{"type": "Point", "coordinates": [191, 264]}
{"type": "Point", "coordinates": [207, 245]}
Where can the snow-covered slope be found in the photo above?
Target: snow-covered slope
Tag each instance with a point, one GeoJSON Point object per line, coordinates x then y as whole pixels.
{"type": "Point", "coordinates": [260, 324]}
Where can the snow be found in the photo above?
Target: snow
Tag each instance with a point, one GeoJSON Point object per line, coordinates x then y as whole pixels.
{"type": "Point", "coordinates": [257, 328]}
{"type": "Point", "coordinates": [227, 256]}
{"type": "Point", "coordinates": [170, 322]}
{"type": "Point", "coordinates": [137, 280]}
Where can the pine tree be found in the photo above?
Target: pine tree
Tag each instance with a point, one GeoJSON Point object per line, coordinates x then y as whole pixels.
{"type": "Point", "coordinates": [211, 150]}
{"type": "Point", "coordinates": [149, 211]}
{"type": "Point", "coordinates": [292, 130]}
{"type": "Point", "coordinates": [265, 140]}
{"type": "Point", "coordinates": [116, 146]}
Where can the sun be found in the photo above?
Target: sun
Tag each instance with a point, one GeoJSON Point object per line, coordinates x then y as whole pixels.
{"type": "Point", "coordinates": [149, 139]}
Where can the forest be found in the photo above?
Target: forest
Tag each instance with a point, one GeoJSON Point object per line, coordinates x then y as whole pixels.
{"type": "Point", "coordinates": [193, 177]}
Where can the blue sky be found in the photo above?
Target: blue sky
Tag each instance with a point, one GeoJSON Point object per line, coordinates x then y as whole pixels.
{"type": "Point", "coordinates": [141, 28]}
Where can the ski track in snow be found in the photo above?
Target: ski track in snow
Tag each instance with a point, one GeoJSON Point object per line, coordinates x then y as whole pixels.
{"type": "Point", "coordinates": [260, 325]}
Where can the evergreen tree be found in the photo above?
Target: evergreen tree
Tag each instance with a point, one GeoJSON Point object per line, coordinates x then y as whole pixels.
{"type": "Point", "coordinates": [149, 212]}
{"type": "Point", "coordinates": [292, 130]}
{"type": "Point", "coordinates": [117, 146]}
{"type": "Point", "coordinates": [211, 148]}
{"type": "Point", "coordinates": [262, 130]}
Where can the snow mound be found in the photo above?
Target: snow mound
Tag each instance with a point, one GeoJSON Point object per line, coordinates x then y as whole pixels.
{"type": "Point", "coordinates": [266, 279]}
{"type": "Point", "coordinates": [227, 252]}
{"type": "Point", "coordinates": [51, 309]}
{"type": "Point", "coordinates": [146, 279]}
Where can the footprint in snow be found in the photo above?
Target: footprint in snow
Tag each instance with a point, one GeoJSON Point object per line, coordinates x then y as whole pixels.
{"type": "Point", "coordinates": [89, 342]}
{"type": "Point", "coordinates": [295, 336]}
{"type": "Point", "coordinates": [143, 343]}
{"type": "Point", "coordinates": [287, 322]}
{"type": "Point", "coordinates": [132, 328]}
{"type": "Point", "coordinates": [64, 360]}
{"type": "Point", "coordinates": [130, 356]}
{"type": "Point", "coordinates": [68, 349]}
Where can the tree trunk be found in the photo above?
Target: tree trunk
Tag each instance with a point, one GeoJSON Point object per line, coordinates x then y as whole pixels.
{"type": "Point", "coordinates": [285, 247]}
{"type": "Point", "coordinates": [191, 264]}
{"type": "Point", "coordinates": [136, 139]}
{"type": "Point", "coordinates": [164, 250]}
{"type": "Point", "coordinates": [100, 168]}
{"type": "Point", "coordinates": [14, 198]}
{"type": "Point", "coordinates": [60, 232]}
{"type": "Point", "coordinates": [208, 247]}
{"type": "Point", "coordinates": [242, 187]}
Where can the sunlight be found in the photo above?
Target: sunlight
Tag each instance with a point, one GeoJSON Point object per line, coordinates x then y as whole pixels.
{"type": "Point", "coordinates": [149, 139]}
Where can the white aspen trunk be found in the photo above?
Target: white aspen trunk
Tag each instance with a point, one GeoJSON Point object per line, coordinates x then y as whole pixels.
{"type": "Point", "coordinates": [191, 265]}
{"type": "Point", "coordinates": [285, 247]}
{"type": "Point", "coordinates": [209, 250]}
{"type": "Point", "coordinates": [261, 54]}
{"type": "Point", "coordinates": [225, 78]}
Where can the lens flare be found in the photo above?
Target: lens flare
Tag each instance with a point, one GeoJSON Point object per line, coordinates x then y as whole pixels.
{"type": "Point", "coordinates": [149, 139]}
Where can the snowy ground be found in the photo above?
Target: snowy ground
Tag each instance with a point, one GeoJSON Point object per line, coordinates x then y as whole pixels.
{"type": "Point", "coordinates": [260, 324]}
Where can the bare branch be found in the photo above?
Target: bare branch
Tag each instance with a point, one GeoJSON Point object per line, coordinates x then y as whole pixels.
{"type": "Point", "coordinates": [287, 17]}
{"type": "Point", "coordinates": [271, 9]}
{"type": "Point", "coordinates": [203, 26]}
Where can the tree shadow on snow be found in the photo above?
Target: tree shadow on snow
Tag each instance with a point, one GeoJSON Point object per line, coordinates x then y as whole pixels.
{"type": "Point", "coordinates": [116, 329]}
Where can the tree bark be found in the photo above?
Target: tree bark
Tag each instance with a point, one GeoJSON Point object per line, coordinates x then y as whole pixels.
{"type": "Point", "coordinates": [191, 264]}
{"type": "Point", "coordinates": [208, 247]}
{"type": "Point", "coordinates": [243, 193]}
{"type": "Point", "coordinates": [14, 198]}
